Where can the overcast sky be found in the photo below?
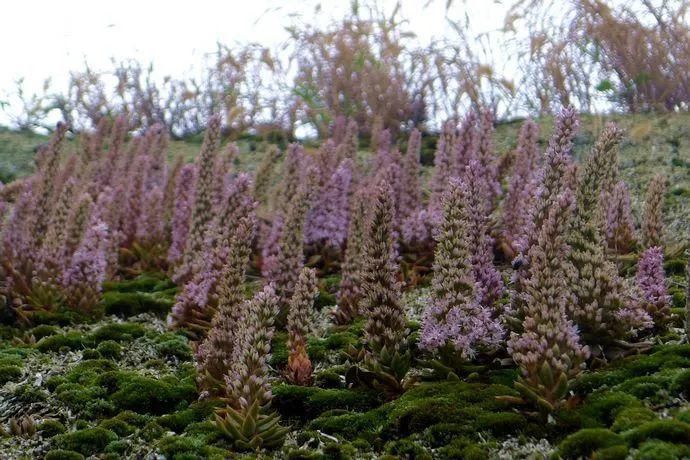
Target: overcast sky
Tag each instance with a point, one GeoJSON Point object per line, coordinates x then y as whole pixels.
{"type": "Point", "coordinates": [47, 39]}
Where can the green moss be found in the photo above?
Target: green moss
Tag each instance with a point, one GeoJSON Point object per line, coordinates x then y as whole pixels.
{"type": "Point", "coordinates": [49, 428]}
{"type": "Point", "coordinates": [86, 401]}
{"type": "Point", "coordinates": [659, 450]}
{"type": "Point", "coordinates": [309, 402]}
{"type": "Point", "coordinates": [43, 330]}
{"type": "Point", "coordinates": [350, 425]}
{"type": "Point", "coordinates": [591, 381]}
{"type": "Point", "coordinates": [110, 349]}
{"type": "Point", "coordinates": [143, 282]}
{"type": "Point", "coordinates": [584, 442]}
{"type": "Point", "coordinates": [10, 360]}
{"type": "Point", "coordinates": [406, 448]}
{"type": "Point", "coordinates": [684, 416]}
{"type": "Point", "coordinates": [600, 409]}
{"type": "Point", "coordinates": [9, 374]}
{"type": "Point", "coordinates": [329, 379]}
{"type": "Point", "coordinates": [500, 423]}
{"type": "Point", "coordinates": [88, 372]}
{"type": "Point", "coordinates": [669, 430]}
{"type": "Point", "coordinates": [119, 332]}
{"type": "Point", "coordinates": [118, 447]}
{"type": "Point", "coordinates": [55, 381]}
{"type": "Point", "coordinates": [443, 402]}
{"type": "Point", "coordinates": [90, 353]}
{"type": "Point", "coordinates": [681, 383]}
{"type": "Point", "coordinates": [463, 448]}
{"type": "Point", "coordinates": [117, 426]}
{"type": "Point", "coordinates": [632, 417]}
{"type": "Point", "coordinates": [196, 412]}
{"type": "Point", "coordinates": [29, 394]}
{"type": "Point", "coordinates": [651, 388]}
{"type": "Point", "coordinates": [133, 303]}
{"type": "Point", "coordinates": [155, 396]}
{"type": "Point", "coordinates": [179, 447]}
{"type": "Point", "coordinates": [442, 434]}
{"type": "Point", "coordinates": [61, 454]}
{"type": "Point", "coordinates": [171, 345]}
{"type": "Point", "coordinates": [677, 300]}
{"type": "Point", "coordinates": [151, 431]}
{"type": "Point", "coordinates": [132, 418]}
{"type": "Point", "coordinates": [279, 351]}
{"type": "Point", "coordinates": [611, 453]}
{"type": "Point", "coordinates": [72, 340]}
{"type": "Point", "coordinates": [89, 441]}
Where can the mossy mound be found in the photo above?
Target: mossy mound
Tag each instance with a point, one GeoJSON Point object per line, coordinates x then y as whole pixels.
{"type": "Point", "coordinates": [88, 441]}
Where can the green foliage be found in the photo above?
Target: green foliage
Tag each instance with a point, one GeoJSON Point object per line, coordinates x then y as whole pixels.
{"type": "Point", "coordinates": [9, 373]}
{"type": "Point", "coordinates": [196, 412]}
{"type": "Point", "coordinates": [406, 448]}
{"type": "Point", "coordinates": [151, 431]}
{"type": "Point", "coordinates": [43, 330]}
{"type": "Point", "coordinates": [632, 417]}
{"type": "Point", "coordinates": [668, 430]}
{"type": "Point", "coordinates": [187, 447]}
{"type": "Point", "coordinates": [660, 450]}
{"type": "Point", "coordinates": [155, 396]}
{"type": "Point", "coordinates": [619, 452]}
{"type": "Point", "coordinates": [600, 409]}
{"type": "Point", "coordinates": [120, 332]}
{"type": "Point", "coordinates": [49, 428]}
{"type": "Point", "coordinates": [109, 349]}
{"type": "Point", "coordinates": [172, 345]}
{"type": "Point", "coordinates": [61, 454]}
{"type": "Point", "coordinates": [143, 282]}
{"type": "Point", "coordinates": [90, 353]}
{"type": "Point", "coordinates": [132, 418]}
{"type": "Point", "coordinates": [117, 426]}
{"type": "Point", "coordinates": [250, 429]}
{"type": "Point", "coordinates": [584, 442]}
{"type": "Point", "coordinates": [134, 303]}
{"type": "Point", "coordinates": [681, 383]}
{"type": "Point", "coordinates": [88, 441]}
{"type": "Point", "coordinates": [72, 340]}
{"type": "Point", "coordinates": [309, 402]}
{"type": "Point", "coordinates": [279, 350]}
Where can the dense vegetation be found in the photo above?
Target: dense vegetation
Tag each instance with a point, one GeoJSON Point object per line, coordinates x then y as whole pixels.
{"type": "Point", "coordinates": [493, 292]}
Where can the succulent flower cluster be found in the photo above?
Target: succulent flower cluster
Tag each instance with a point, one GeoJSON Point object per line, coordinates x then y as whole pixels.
{"type": "Point", "coordinates": [183, 205]}
{"type": "Point", "coordinates": [548, 349]}
{"type": "Point", "coordinates": [197, 303]}
{"type": "Point", "coordinates": [350, 292]}
{"type": "Point", "coordinates": [326, 220]}
{"type": "Point", "coordinates": [457, 321]}
{"type": "Point", "coordinates": [555, 176]}
{"type": "Point", "coordinates": [522, 191]}
{"type": "Point", "coordinates": [603, 310]}
{"type": "Point", "coordinates": [214, 353]}
{"type": "Point", "coordinates": [620, 225]}
{"type": "Point", "coordinates": [289, 258]}
{"type": "Point", "coordinates": [301, 306]}
{"type": "Point", "coordinates": [380, 302]}
{"type": "Point", "coordinates": [652, 220]}
{"type": "Point", "coordinates": [651, 281]}
{"type": "Point", "coordinates": [102, 211]}
{"type": "Point", "coordinates": [202, 210]}
{"type": "Point", "coordinates": [246, 419]}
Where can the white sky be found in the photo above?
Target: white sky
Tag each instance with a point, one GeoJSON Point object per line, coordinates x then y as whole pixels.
{"type": "Point", "coordinates": [47, 38]}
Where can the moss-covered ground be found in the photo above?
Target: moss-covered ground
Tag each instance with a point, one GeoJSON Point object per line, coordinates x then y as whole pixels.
{"type": "Point", "coordinates": [124, 387]}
